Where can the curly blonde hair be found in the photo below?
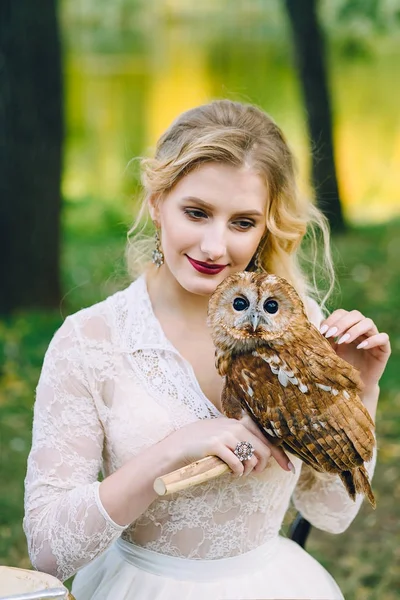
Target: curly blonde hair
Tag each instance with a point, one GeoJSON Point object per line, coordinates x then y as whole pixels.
{"type": "Point", "coordinates": [240, 135]}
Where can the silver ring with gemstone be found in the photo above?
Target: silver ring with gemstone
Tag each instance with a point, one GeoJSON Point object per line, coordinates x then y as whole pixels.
{"type": "Point", "coordinates": [244, 451]}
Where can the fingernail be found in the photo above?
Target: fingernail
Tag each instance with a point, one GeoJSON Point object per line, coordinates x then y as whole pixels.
{"type": "Point", "coordinates": [323, 329]}
{"type": "Point", "coordinates": [362, 344]}
{"type": "Point", "coordinates": [344, 338]}
{"type": "Point", "coordinates": [331, 332]}
{"type": "Point", "coordinates": [291, 467]}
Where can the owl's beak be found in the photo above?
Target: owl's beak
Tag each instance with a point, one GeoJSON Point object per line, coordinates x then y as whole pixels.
{"type": "Point", "coordinates": [254, 320]}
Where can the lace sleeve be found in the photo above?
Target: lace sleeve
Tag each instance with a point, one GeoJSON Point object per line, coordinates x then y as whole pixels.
{"type": "Point", "coordinates": [321, 498]}
{"type": "Point", "coordinates": [65, 523]}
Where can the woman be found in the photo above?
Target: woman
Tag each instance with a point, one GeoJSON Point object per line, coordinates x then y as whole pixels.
{"type": "Point", "coordinates": [129, 387]}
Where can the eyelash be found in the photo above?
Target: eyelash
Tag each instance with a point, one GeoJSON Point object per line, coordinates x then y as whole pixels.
{"type": "Point", "coordinates": [196, 215]}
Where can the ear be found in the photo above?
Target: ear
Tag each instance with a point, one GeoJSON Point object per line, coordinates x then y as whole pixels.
{"type": "Point", "coordinates": [154, 210]}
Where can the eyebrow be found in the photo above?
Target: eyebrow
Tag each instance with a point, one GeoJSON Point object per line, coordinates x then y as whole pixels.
{"type": "Point", "coordinates": [255, 213]}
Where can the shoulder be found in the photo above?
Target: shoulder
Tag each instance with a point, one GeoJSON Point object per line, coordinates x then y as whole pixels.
{"type": "Point", "coordinates": [101, 321]}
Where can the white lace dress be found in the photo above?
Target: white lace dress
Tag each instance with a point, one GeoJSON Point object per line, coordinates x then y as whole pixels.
{"type": "Point", "coordinates": [111, 386]}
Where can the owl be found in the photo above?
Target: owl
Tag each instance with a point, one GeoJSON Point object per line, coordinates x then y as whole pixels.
{"type": "Point", "coordinates": [280, 370]}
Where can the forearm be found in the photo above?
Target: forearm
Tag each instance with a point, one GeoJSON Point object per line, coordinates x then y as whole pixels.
{"type": "Point", "coordinates": [370, 400]}
{"type": "Point", "coordinates": [128, 492]}
{"type": "Point", "coordinates": [323, 500]}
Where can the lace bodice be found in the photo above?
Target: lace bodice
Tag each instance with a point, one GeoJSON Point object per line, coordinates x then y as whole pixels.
{"type": "Point", "coordinates": [112, 385]}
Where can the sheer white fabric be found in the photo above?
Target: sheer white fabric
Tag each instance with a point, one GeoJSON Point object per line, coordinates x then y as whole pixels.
{"type": "Point", "coordinates": [111, 386]}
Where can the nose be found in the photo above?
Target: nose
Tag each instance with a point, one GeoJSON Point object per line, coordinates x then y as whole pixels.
{"type": "Point", "coordinates": [213, 243]}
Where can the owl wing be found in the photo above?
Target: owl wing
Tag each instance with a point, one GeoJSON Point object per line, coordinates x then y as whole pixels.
{"type": "Point", "coordinates": [330, 432]}
{"type": "Point", "coordinates": [234, 402]}
{"type": "Point", "coordinates": [339, 384]}
{"type": "Point", "coordinates": [319, 362]}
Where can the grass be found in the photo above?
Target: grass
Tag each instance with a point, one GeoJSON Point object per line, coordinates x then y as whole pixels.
{"type": "Point", "coordinates": [363, 559]}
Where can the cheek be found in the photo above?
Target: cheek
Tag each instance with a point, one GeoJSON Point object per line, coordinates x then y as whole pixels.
{"type": "Point", "coordinates": [244, 248]}
{"type": "Point", "coordinates": [177, 234]}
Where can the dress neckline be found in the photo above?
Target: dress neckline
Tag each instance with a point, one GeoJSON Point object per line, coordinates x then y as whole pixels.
{"type": "Point", "coordinates": [168, 345]}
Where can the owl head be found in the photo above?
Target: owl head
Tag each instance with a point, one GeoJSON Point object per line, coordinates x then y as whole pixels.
{"type": "Point", "coordinates": [249, 308]}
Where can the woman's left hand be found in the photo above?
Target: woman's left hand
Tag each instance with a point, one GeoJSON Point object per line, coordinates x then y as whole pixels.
{"type": "Point", "coordinates": [358, 342]}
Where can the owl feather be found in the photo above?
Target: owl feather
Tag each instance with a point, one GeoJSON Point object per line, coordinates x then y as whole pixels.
{"type": "Point", "coordinates": [280, 370]}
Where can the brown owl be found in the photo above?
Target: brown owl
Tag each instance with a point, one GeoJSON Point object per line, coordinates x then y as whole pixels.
{"type": "Point", "coordinates": [285, 374]}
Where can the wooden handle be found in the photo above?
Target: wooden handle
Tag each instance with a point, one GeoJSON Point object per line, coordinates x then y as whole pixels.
{"type": "Point", "coordinates": [198, 472]}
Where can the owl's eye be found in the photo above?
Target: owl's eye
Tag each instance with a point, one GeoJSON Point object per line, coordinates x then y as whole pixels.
{"type": "Point", "coordinates": [271, 306]}
{"type": "Point", "coordinates": [241, 303]}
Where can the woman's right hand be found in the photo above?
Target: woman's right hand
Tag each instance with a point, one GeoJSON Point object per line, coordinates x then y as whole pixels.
{"type": "Point", "coordinates": [219, 437]}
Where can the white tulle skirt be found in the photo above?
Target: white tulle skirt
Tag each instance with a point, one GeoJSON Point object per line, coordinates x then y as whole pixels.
{"type": "Point", "coordinates": [279, 569]}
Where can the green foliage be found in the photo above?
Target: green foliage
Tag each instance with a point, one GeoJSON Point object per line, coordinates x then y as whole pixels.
{"type": "Point", "coordinates": [375, 13]}
{"type": "Point", "coordinates": [354, 25]}
{"type": "Point", "coordinates": [362, 559]}
{"type": "Point", "coordinates": [369, 277]}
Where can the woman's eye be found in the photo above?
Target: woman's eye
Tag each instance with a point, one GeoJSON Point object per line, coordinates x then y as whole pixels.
{"type": "Point", "coordinates": [197, 214]}
{"type": "Point", "coordinates": [194, 213]}
{"type": "Point", "coordinates": [245, 224]}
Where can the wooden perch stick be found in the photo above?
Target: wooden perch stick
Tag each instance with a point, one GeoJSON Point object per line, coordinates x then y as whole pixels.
{"type": "Point", "coordinates": [198, 472]}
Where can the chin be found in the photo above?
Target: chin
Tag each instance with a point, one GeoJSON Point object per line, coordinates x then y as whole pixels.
{"type": "Point", "coordinates": [201, 285]}
{"type": "Point", "coordinates": [201, 288]}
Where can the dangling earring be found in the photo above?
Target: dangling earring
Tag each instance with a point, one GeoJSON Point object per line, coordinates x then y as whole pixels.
{"type": "Point", "coordinates": [157, 256]}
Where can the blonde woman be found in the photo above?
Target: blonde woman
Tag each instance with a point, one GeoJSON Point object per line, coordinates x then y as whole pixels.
{"type": "Point", "coordinates": [129, 388]}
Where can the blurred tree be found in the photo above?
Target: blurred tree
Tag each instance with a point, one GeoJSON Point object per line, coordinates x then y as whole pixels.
{"type": "Point", "coordinates": [31, 133]}
{"type": "Point", "coordinates": [309, 54]}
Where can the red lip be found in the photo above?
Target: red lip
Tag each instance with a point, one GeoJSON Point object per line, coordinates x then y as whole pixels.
{"type": "Point", "coordinates": [205, 268]}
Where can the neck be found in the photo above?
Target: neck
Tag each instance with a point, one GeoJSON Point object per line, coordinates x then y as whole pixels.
{"type": "Point", "coordinates": [168, 295]}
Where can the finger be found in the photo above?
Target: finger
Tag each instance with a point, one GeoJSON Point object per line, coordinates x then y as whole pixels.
{"type": "Point", "coordinates": [365, 327]}
{"type": "Point", "coordinates": [255, 430]}
{"type": "Point", "coordinates": [331, 320]}
{"type": "Point", "coordinates": [380, 340]}
{"type": "Point", "coordinates": [262, 450]}
{"type": "Point", "coordinates": [226, 454]}
{"type": "Point", "coordinates": [250, 464]}
{"type": "Point", "coordinates": [259, 451]}
{"type": "Point", "coordinates": [282, 459]}
{"type": "Point", "coordinates": [341, 325]}
{"type": "Point", "coordinates": [251, 426]}
{"type": "Point", "coordinates": [263, 460]}
{"type": "Point", "coordinates": [267, 449]}
{"type": "Point", "coordinates": [277, 452]}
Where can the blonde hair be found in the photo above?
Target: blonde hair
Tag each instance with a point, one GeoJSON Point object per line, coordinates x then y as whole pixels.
{"type": "Point", "coordinates": [240, 135]}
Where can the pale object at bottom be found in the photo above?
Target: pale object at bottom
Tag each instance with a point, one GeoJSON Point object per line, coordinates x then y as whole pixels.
{"type": "Point", "coordinates": [197, 472]}
{"type": "Point", "coordinates": [24, 584]}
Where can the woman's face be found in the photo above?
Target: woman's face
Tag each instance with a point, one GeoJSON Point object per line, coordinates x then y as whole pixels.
{"type": "Point", "coordinates": [216, 215]}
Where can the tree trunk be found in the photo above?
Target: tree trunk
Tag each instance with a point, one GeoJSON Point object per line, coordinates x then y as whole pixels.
{"type": "Point", "coordinates": [31, 133]}
{"type": "Point", "coordinates": [309, 51]}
